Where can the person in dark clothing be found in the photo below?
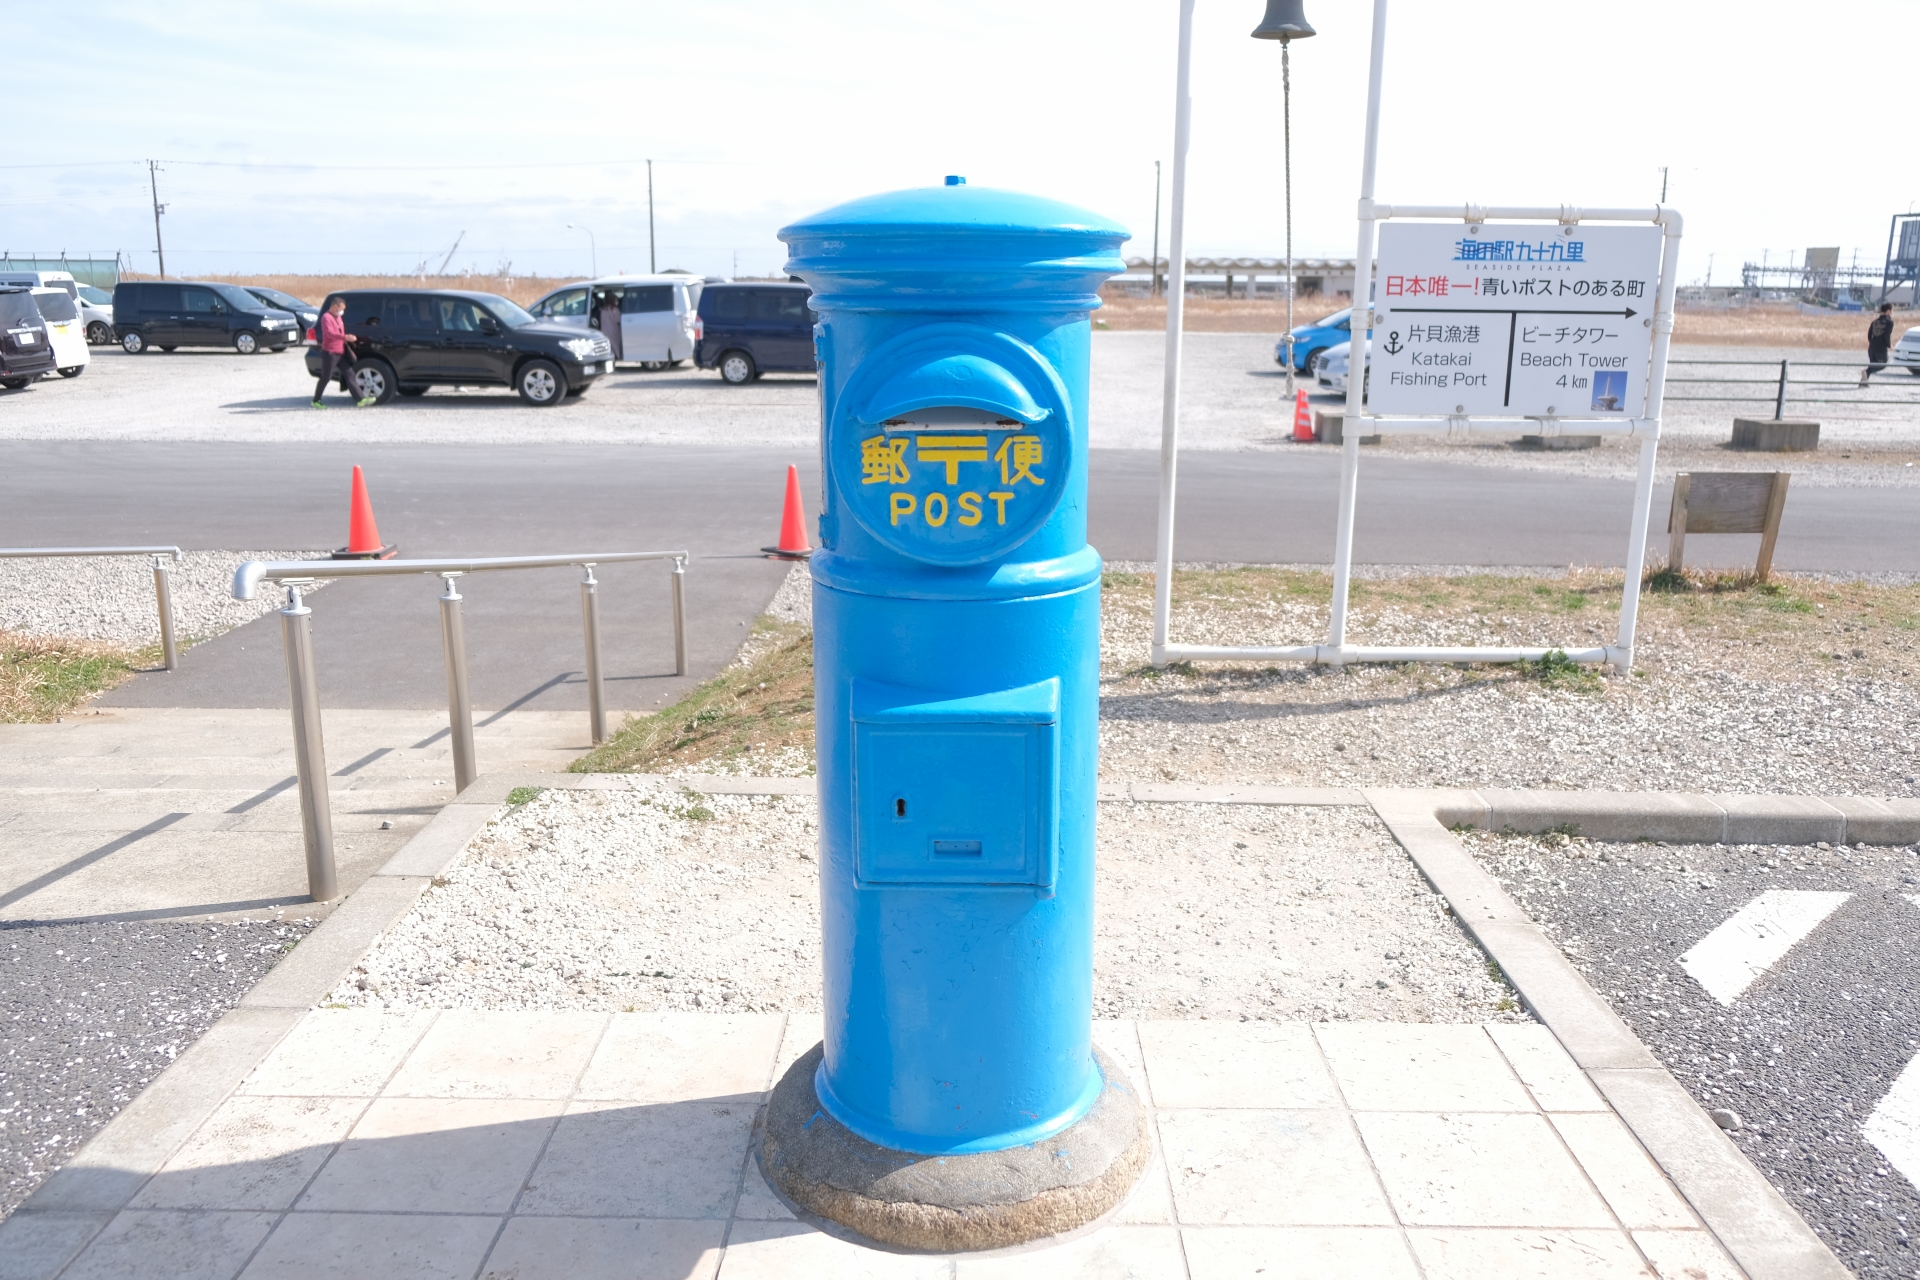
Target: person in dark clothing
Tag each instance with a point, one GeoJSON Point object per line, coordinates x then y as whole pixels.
{"type": "Point", "coordinates": [1879, 340]}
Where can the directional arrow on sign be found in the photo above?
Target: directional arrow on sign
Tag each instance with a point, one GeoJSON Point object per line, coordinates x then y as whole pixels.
{"type": "Point", "coordinates": [1509, 311]}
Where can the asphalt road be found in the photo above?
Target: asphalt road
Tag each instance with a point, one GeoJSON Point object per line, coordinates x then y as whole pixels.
{"type": "Point", "coordinates": [1804, 1054]}
{"type": "Point", "coordinates": [379, 641]}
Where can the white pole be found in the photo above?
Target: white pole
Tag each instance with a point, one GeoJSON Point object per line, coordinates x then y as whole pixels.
{"type": "Point", "coordinates": [1672, 223]}
{"type": "Point", "coordinates": [1176, 299]}
{"type": "Point", "coordinates": [1360, 325]}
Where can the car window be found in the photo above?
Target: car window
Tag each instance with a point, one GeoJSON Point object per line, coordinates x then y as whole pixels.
{"type": "Point", "coordinates": [56, 306]}
{"type": "Point", "coordinates": [726, 304]}
{"type": "Point", "coordinates": [158, 297]}
{"type": "Point", "coordinates": [363, 310]}
{"type": "Point", "coordinates": [458, 315]}
{"type": "Point", "coordinates": [18, 309]}
{"type": "Point", "coordinates": [507, 311]}
{"type": "Point", "coordinates": [646, 298]}
{"type": "Point", "coordinates": [406, 313]}
{"type": "Point", "coordinates": [779, 306]}
{"type": "Point", "coordinates": [201, 302]}
{"type": "Point", "coordinates": [568, 302]}
{"type": "Point", "coordinates": [98, 297]}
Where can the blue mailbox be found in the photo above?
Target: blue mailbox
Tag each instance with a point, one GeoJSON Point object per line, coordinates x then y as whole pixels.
{"type": "Point", "coordinates": [956, 611]}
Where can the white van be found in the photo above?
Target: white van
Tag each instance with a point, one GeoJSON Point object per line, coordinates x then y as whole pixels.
{"type": "Point", "coordinates": [66, 332]}
{"type": "Point", "coordinates": [96, 305]}
{"type": "Point", "coordinates": [656, 314]}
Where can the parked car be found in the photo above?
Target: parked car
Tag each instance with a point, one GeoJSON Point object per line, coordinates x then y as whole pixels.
{"type": "Point", "coordinates": [96, 311]}
{"type": "Point", "coordinates": [745, 330]}
{"type": "Point", "coordinates": [41, 280]}
{"type": "Point", "coordinates": [1309, 340]}
{"type": "Point", "coordinates": [1906, 352]}
{"type": "Point", "coordinates": [65, 333]}
{"type": "Point", "coordinates": [25, 353]}
{"type": "Point", "coordinates": [655, 313]}
{"type": "Point", "coordinates": [173, 313]}
{"type": "Point", "coordinates": [305, 312]}
{"type": "Point", "coordinates": [411, 339]}
{"type": "Point", "coordinates": [1331, 369]}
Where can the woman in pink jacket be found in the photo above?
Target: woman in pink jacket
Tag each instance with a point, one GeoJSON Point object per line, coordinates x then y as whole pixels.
{"type": "Point", "coordinates": [334, 357]}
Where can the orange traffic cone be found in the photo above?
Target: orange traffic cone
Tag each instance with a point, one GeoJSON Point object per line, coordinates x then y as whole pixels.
{"type": "Point", "coordinates": [363, 535]}
{"type": "Point", "coordinates": [1302, 417]}
{"type": "Point", "coordinates": [793, 524]}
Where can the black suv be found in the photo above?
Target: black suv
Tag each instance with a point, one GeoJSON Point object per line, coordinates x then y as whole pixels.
{"type": "Point", "coordinates": [172, 313]}
{"type": "Point", "coordinates": [745, 330]}
{"type": "Point", "coordinates": [26, 351]}
{"type": "Point", "coordinates": [412, 339]}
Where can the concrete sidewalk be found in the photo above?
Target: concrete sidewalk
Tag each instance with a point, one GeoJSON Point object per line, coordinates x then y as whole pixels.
{"type": "Point", "coordinates": [584, 1145]}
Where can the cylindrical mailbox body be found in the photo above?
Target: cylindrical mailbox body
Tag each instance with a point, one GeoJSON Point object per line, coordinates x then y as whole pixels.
{"type": "Point", "coordinates": [956, 631]}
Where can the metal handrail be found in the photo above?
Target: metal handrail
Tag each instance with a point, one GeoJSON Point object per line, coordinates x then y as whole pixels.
{"type": "Point", "coordinates": [162, 588]}
{"type": "Point", "coordinates": [296, 628]}
{"type": "Point", "coordinates": [1781, 382]}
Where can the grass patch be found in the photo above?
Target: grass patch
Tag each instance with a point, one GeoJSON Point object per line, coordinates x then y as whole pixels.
{"type": "Point", "coordinates": [520, 795]}
{"type": "Point", "coordinates": [1557, 671]}
{"type": "Point", "coordinates": [761, 705]}
{"type": "Point", "coordinates": [42, 679]}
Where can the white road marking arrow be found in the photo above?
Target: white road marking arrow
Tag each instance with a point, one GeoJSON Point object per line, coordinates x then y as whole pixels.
{"type": "Point", "coordinates": [1727, 961]}
{"type": "Point", "coordinates": [1894, 1126]}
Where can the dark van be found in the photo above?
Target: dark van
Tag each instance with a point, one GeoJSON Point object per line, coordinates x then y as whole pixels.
{"type": "Point", "coordinates": [745, 330]}
{"type": "Point", "coordinates": [173, 313]}
{"type": "Point", "coordinates": [407, 340]}
{"type": "Point", "coordinates": [26, 350]}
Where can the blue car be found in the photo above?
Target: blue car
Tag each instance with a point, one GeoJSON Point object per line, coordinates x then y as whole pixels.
{"type": "Point", "coordinates": [1309, 340]}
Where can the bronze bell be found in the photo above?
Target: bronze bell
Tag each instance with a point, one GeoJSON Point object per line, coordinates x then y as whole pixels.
{"type": "Point", "coordinates": [1285, 20]}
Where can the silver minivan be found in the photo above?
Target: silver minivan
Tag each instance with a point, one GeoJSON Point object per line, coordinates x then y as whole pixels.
{"type": "Point", "coordinates": [649, 319]}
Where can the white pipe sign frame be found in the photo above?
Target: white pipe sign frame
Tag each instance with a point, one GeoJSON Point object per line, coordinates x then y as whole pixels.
{"type": "Point", "coordinates": [1472, 221]}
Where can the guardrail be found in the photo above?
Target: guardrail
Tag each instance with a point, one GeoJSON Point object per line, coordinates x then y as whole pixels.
{"type": "Point", "coordinates": [296, 630]}
{"type": "Point", "coordinates": [162, 589]}
{"type": "Point", "coordinates": [1783, 383]}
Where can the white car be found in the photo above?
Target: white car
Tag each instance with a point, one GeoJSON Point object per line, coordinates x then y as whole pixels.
{"type": "Point", "coordinates": [656, 314]}
{"type": "Point", "coordinates": [1906, 352]}
{"type": "Point", "coordinates": [66, 332]}
{"type": "Point", "coordinates": [1330, 368]}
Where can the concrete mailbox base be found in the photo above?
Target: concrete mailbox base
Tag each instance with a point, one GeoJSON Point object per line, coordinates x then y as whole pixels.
{"type": "Point", "coordinates": [1770, 435]}
{"type": "Point", "coordinates": [953, 1204]}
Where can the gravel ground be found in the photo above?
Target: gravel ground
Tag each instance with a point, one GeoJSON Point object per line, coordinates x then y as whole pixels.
{"type": "Point", "coordinates": [1805, 1054]}
{"type": "Point", "coordinates": [664, 900]}
{"type": "Point", "coordinates": [111, 597]}
{"type": "Point", "coordinates": [92, 1012]}
{"type": "Point", "coordinates": [1688, 720]}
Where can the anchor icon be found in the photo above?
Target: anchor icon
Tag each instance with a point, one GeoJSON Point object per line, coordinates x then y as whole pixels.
{"type": "Point", "coordinates": [1394, 346]}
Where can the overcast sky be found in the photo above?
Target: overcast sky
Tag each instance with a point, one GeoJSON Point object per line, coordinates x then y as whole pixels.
{"type": "Point", "coordinates": [365, 137]}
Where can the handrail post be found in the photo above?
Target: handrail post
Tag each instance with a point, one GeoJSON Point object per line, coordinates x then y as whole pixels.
{"type": "Point", "coordinates": [459, 708]}
{"type": "Point", "coordinates": [1780, 398]}
{"type": "Point", "coordinates": [163, 598]}
{"type": "Point", "coordinates": [679, 615]}
{"type": "Point", "coordinates": [309, 747]}
{"type": "Point", "coordinates": [590, 624]}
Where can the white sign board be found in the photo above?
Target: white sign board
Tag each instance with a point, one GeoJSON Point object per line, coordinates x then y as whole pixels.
{"type": "Point", "coordinates": [1515, 320]}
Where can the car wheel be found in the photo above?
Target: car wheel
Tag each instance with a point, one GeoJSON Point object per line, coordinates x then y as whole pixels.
{"type": "Point", "coordinates": [413, 391]}
{"type": "Point", "coordinates": [99, 334]}
{"type": "Point", "coordinates": [373, 379]}
{"type": "Point", "coordinates": [15, 384]}
{"type": "Point", "coordinates": [540, 383]}
{"type": "Point", "coordinates": [737, 368]}
{"type": "Point", "coordinates": [246, 342]}
{"type": "Point", "coordinates": [73, 371]}
{"type": "Point", "coordinates": [1307, 364]}
{"type": "Point", "coordinates": [133, 344]}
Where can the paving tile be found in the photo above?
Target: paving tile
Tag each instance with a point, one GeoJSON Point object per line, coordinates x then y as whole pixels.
{"type": "Point", "coordinates": [1458, 1253]}
{"type": "Point", "coordinates": [644, 1160]}
{"type": "Point", "coordinates": [1545, 1067]}
{"type": "Point", "coordinates": [338, 1053]}
{"type": "Point", "coordinates": [1298, 1253]}
{"type": "Point", "coordinates": [804, 1030]}
{"type": "Point", "coordinates": [1386, 1066]}
{"type": "Point", "coordinates": [1481, 1170]}
{"type": "Point", "coordinates": [1117, 1253]}
{"type": "Point", "coordinates": [1687, 1255]}
{"type": "Point", "coordinates": [434, 1155]}
{"type": "Point", "coordinates": [605, 1249]}
{"type": "Point", "coordinates": [1151, 1200]}
{"type": "Point", "coordinates": [795, 1251]}
{"type": "Point", "coordinates": [1632, 1183]}
{"type": "Point", "coordinates": [1119, 1039]}
{"type": "Point", "coordinates": [373, 1246]}
{"type": "Point", "coordinates": [758, 1203]}
{"type": "Point", "coordinates": [162, 1245]}
{"type": "Point", "coordinates": [1267, 1065]}
{"type": "Point", "coordinates": [472, 1053]}
{"type": "Point", "coordinates": [1270, 1168]}
{"type": "Point", "coordinates": [252, 1153]}
{"type": "Point", "coordinates": [680, 1057]}
{"type": "Point", "coordinates": [34, 1246]}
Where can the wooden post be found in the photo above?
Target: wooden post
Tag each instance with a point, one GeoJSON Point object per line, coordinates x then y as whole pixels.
{"type": "Point", "coordinates": [1677, 523]}
{"type": "Point", "coordinates": [1770, 530]}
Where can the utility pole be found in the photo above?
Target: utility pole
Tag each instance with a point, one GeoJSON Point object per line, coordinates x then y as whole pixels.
{"type": "Point", "coordinates": [1153, 263]}
{"type": "Point", "coordinates": [1663, 184]}
{"type": "Point", "coordinates": [653, 264]}
{"type": "Point", "coordinates": [153, 185]}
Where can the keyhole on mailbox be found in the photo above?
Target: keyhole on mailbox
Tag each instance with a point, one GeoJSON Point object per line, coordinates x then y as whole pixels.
{"type": "Point", "coordinates": [900, 808]}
